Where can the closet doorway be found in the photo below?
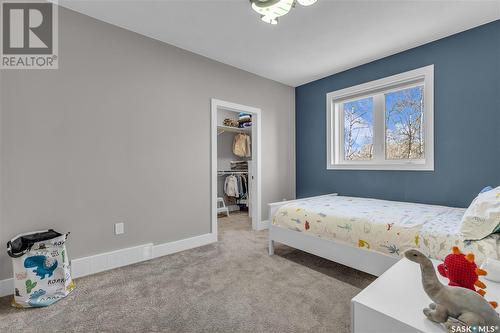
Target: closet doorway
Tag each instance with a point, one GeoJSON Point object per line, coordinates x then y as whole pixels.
{"type": "Point", "coordinates": [236, 162]}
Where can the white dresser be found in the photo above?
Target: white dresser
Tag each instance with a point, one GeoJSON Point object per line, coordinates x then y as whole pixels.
{"type": "Point", "coordinates": [393, 303]}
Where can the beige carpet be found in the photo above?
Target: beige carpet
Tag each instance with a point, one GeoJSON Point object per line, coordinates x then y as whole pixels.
{"type": "Point", "coordinates": [231, 286]}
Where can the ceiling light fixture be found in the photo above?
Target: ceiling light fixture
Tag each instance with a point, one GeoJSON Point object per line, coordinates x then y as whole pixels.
{"type": "Point", "coordinates": [307, 2]}
{"type": "Point", "coordinates": [270, 10]}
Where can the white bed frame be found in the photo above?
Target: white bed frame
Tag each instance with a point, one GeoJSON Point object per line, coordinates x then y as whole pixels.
{"type": "Point", "coordinates": [374, 263]}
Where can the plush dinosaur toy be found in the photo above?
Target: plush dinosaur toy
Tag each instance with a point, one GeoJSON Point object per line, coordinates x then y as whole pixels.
{"type": "Point", "coordinates": [462, 271]}
{"type": "Point", "coordinates": [463, 304]}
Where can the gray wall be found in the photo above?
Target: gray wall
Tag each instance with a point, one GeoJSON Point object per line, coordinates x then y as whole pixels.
{"type": "Point", "coordinates": [466, 124]}
{"type": "Point", "coordinates": [121, 132]}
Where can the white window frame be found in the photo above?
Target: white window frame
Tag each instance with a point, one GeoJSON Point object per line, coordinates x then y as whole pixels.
{"type": "Point", "coordinates": [334, 123]}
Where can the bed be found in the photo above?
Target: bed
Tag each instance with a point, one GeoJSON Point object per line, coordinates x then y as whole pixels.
{"type": "Point", "coordinates": [370, 234]}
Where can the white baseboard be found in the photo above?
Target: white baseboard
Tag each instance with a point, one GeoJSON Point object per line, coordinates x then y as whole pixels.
{"type": "Point", "coordinates": [109, 260]}
{"type": "Point", "coordinates": [161, 250]}
{"type": "Point", "coordinates": [105, 261]}
{"type": "Point", "coordinates": [263, 225]}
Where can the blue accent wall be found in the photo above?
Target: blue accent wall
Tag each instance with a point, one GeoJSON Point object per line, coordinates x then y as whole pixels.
{"type": "Point", "coordinates": [466, 121]}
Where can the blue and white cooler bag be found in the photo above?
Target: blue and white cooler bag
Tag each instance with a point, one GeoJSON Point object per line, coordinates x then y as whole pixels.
{"type": "Point", "coordinates": [42, 271]}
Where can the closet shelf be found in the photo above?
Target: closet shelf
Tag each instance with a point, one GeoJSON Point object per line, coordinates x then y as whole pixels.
{"type": "Point", "coordinates": [221, 129]}
{"type": "Point", "coordinates": [229, 172]}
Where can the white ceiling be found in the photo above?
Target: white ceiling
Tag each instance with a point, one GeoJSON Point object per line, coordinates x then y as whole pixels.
{"type": "Point", "coordinates": [307, 44]}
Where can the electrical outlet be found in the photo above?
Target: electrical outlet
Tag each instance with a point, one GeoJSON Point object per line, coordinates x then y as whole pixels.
{"type": "Point", "coordinates": [119, 228]}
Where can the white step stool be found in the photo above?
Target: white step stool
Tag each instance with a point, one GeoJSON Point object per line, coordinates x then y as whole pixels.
{"type": "Point", "coordinates": [221, 207]}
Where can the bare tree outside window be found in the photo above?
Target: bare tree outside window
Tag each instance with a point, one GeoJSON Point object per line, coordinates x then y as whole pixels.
{"type": "Point", "coordinates": [404, 123]}
{"type": "Point", "coordinates": [358, 129]}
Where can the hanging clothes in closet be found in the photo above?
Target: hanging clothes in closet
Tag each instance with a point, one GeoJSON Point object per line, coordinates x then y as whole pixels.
{"type": "Point", "coordinates": [242, 145]}
{"type": "Point", "coordinates": [231, 186]}
{"type": "Point", "coordinates": [243, 187]}
{"type": "Point", "coordinates": [236, 186]}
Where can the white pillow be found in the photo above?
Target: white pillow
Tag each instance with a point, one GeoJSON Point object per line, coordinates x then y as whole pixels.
{"type": "Point", "coordinates": [492, 266]}
{"type": "Point", "coordinates": [482, 216]}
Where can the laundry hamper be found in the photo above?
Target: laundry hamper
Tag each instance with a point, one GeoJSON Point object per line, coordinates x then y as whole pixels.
{"type": "Point", "coordinates": [42, 272]}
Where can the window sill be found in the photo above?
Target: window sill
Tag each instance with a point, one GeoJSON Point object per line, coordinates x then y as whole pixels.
{"type": "Point", "coordinates": [382, 167]}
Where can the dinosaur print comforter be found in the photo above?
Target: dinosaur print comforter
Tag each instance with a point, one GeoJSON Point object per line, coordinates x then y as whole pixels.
{"type": "Point", "coordinates": [387, 227]}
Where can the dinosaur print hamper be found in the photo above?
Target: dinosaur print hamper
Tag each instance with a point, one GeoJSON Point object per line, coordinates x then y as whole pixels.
{"type": "Point", "coordinates": [42, 271]}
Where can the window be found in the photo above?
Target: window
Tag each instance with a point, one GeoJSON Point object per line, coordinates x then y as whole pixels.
{"type": "Point", "coordinates": [385, 124]}
{"type": "Point", "coordinates": [358, 129]}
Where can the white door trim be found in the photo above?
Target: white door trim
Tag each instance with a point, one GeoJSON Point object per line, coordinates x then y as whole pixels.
{"type": "Point", "coordinates": [218, 104]}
